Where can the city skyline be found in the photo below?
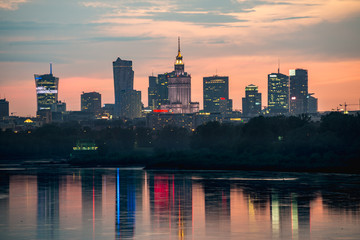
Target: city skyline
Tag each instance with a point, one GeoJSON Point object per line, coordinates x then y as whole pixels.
{"type": "Point", "coordinates": [242, 40]}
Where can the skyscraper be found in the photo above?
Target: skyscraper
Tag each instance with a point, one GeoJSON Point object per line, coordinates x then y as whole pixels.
{"type": "Point", "coordinates": [46, 90]}
{"type": "Point", "coordinates": [130, 106]}
{"type": "Point", "coordinates": [123, 80]}
{"type": "Point", "coordinates": [312, 103]}
{"type": "Point", "coordinates": [91, 102]}
{"type": "Point", "coordinates": [4, 108]}
{"type": "Point", "coordinates": [298, 91]}
{"type": "Point", "coordinates": [179, 88]}
{"type": "Point", "coordinates": [251, 103]}
{"type": "Point", "coordinates": [158, 90]}
{"type": "Point", "coordinates": [278, 93]}
{"type": "Point", "coordinates": [216, 94]}
{"type": "Point", "coordinates": [153, 92]}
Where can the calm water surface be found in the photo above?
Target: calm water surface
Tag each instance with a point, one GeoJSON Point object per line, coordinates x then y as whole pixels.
{"type": "Point", "coordinates": [137, 204]}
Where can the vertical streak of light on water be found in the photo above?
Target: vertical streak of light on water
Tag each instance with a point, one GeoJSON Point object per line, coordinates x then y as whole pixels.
{"type": "Point", "coordinates": [275, 215]}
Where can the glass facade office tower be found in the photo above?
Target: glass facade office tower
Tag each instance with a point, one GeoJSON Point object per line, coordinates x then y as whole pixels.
{"type": "Point", "coordinates": [216, 94]}
{"type": "Point", "coordinates": [123, 80]}
{"type": "Point", "coordinates": [278, 93]}
{"type": "Point", "coordinates": [251, 103]}
{"type": "Point", "coordinates": [46, 90]}
{"type": "Point", "coordinates": [130, 106]}
{"type": "Point", "coordinates": [298, 91]}
{"type": "Point", "coordinates": [91, 102]}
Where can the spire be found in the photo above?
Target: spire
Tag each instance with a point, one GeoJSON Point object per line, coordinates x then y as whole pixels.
{"type": "Point", "coordinates": [50, 68]}
{"type": "Point", "coordinates": [179, 64]}
{"type": "Point", "coordinates": [278, 65]}
{"type": "Point", "coordinates": [179, 52]}
{"type": "Point", "coordinates": [179, 57]}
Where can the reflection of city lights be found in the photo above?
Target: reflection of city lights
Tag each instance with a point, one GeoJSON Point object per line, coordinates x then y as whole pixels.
{"type": "Point", "coordinates": [275, 214]}
{"type": "Point", "coordinates": [294, 217]}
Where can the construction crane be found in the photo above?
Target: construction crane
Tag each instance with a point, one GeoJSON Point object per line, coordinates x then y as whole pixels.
{"type": "Point", "coordinates": [349, 104]}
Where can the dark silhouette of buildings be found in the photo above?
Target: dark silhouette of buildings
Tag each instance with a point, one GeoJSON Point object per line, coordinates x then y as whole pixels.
{"type": "Point", "coordinates": [152, 92]}
{"type": "Point", "coordinates": [312, 103]}
{"type": "Point", "coordinates": [158, 90]}
{"type": "Point", "coordinates": [4, 108]}
{"type": "Point", "coordinates": [251, 103]}
{"type": "Point", "coordinates": [298, 91]}
{"type": "Point", "coordinates": [91, 102]}
{"type": "Point", "coordinates": [216, 94]}
{"type": "Point", "coordinates": [46, 90]}
{"type": "Point", "coordinates": [278, 93]}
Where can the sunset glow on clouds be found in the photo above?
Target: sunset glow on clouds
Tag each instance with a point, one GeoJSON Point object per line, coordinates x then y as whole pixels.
{"type": "Point", "coordinates": [241, 39]}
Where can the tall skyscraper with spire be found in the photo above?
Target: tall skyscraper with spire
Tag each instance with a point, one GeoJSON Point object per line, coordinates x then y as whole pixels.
{"type": "Point", "coordinates": [179, 88]}
{"type": "Point", "coordinates": [46, 90]}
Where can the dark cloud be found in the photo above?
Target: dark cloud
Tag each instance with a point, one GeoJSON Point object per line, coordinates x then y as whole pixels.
{"type": "Point", "coordinates": [290, 18]}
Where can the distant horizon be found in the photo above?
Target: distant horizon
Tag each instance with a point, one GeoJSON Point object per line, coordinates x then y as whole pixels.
{"type": "Point", "coordinates": [240, 39]}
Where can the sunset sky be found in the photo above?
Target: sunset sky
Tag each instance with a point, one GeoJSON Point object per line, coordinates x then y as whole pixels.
{"type": "Point", "coordinates": [242, 39]}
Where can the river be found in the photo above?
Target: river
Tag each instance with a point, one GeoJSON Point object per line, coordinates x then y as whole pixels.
{"type": "Point", "coordinates": [141, 204]}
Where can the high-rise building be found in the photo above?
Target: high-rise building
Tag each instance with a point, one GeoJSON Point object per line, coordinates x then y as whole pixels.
{"type": "Point", "coordinates": [312, 103]}
{"type": "Point", "coordinates": [251, 103]}
{"type": "Point", "coordinates": [298, 91]}
{"type": "Point", "coordinates": [179, 88]}
{"type": "Point", "coordinates": [4, 108]}
{"type": "Point", "coordinates": [46, 90]}
{"type": "Point", "coordinates": [216, 94]}
{"type": "Point", "coordinates": [91, 102]}
{"type": "Point", "coordinates": [123, 80]}
{"type": "Point", "coordinates": [158, 90]}
{"type": "Point", "coordinates": [152, 92]}
{"type": "Point", "coordinates": [130, 106]}
{"type": "Point", "coordinates": [278, 93]}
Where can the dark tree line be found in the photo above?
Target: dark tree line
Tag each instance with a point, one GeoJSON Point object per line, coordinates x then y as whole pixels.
{"type": "Point", "coordinates": [282, 143]}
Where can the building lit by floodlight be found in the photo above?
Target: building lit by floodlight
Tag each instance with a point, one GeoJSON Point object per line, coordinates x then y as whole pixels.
{"type": "Point", "coordinates": [278, 93]}
{"type": "Point", "coordinates": [46, 90]}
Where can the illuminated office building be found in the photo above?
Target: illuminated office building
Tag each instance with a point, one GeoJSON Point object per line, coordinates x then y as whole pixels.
{"type": "Point", "coordinates": [278, 93]}
{"type": "Point", "coordinates": [46, 90]}
{"type": "Point", "coordinates": [251, 103]}
{"type": "Point", "coordinates": [91, 102]}
{"type": "Point", "coordinates": [123, 80]}
{"type": "Point", "coordinates": [216, 94]}
{"type": "Point", "coordinates": [298, 91]}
